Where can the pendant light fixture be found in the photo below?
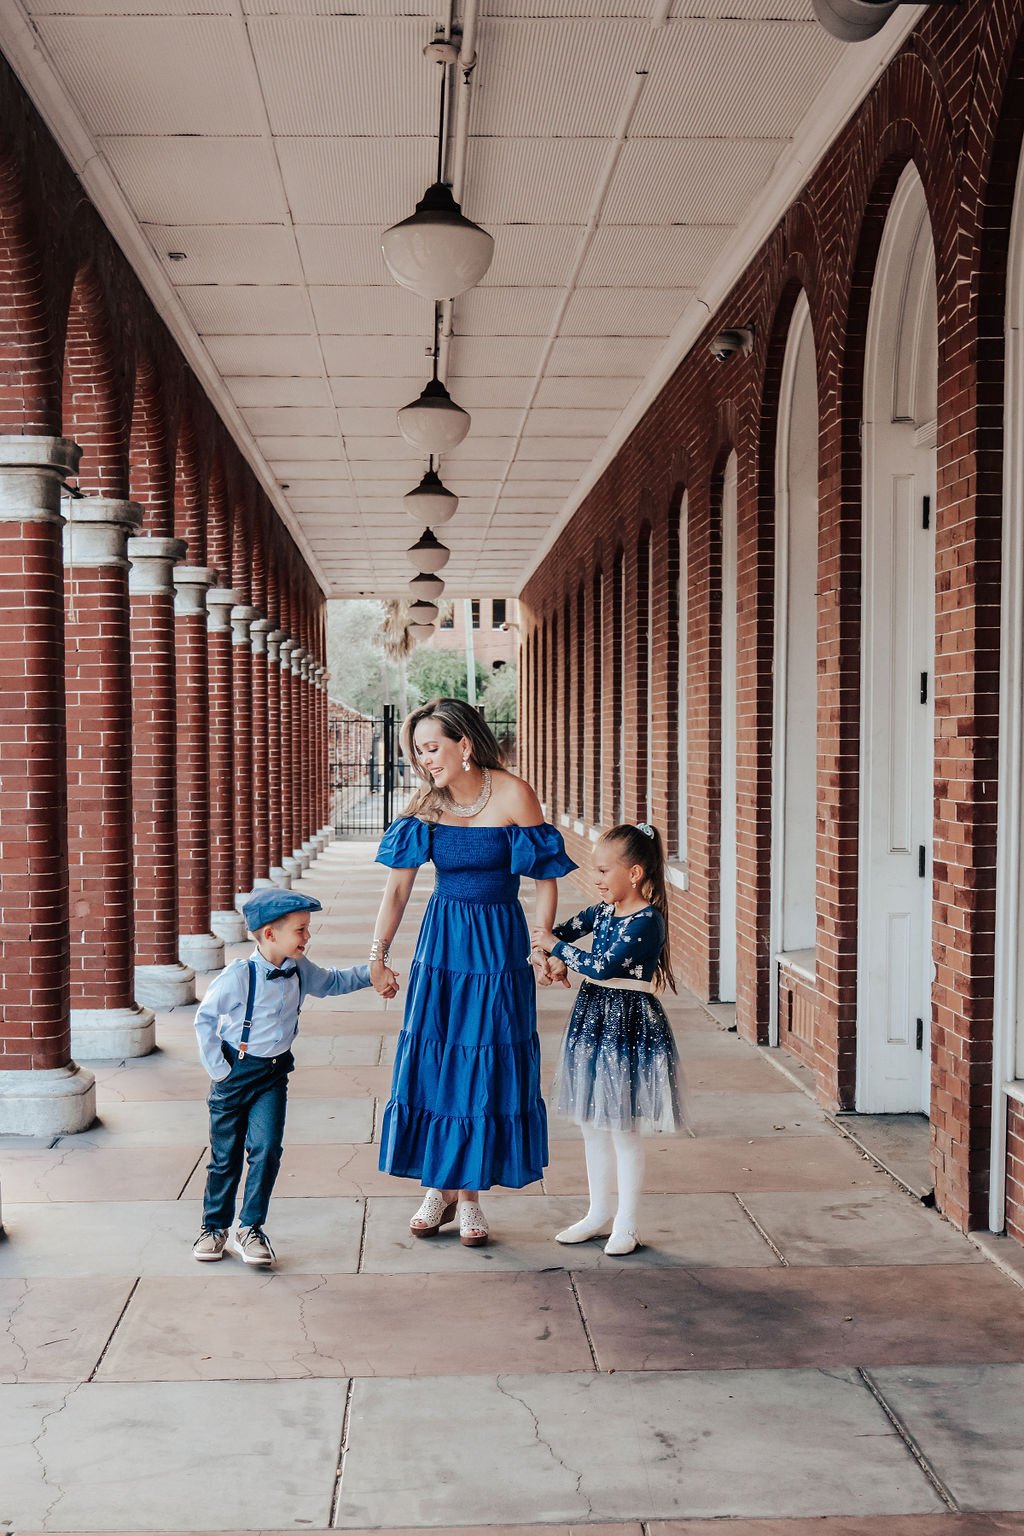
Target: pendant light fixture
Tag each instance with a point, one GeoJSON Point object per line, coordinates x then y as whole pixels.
{"type": "Point", "coordinates": [428, 553]}
{"type": "Point", "coordinates": [433, 422]}
{"type": "Point", "coordinates": [422, 612]}
{"type": "Point", "coordinates": [438, 252]}
{"type": "Point", "coordinates": [425, 585]}
{"type": "Point", "coordinates": [430, 501]}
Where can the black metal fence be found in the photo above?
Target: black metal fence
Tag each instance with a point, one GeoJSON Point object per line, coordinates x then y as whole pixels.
{"type": "Point", "coordinates": [370, 779]}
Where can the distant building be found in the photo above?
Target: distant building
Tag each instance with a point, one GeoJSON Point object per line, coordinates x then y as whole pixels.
{"type": "Point", "coordinates": [495, 630]}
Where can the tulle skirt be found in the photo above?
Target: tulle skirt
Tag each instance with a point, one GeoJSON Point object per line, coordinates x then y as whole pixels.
{"type": "Point", "coordinates": [619, 1065]}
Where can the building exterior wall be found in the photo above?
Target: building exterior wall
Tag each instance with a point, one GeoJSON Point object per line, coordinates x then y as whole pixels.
{"type": "Point", "coordinates": [491, 646]}
{"type": "Point", "coordinates": [952, 103]}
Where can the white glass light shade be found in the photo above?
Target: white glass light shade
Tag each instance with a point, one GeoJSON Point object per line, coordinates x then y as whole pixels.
{"type": "Point", "coordinates": [422, 612]}
{"type": "Point", "coordinates": [426, 586]}
{"type": "Point", "coordinates": [430, 501]}
{"type": "Point", "coordinates": [433, 422]}
{"type": "Point", "coordinates": [853, 21]}
{"type": "Point", "coordinates": [428, 553]}
{"type": "Point", "coordinates": [421, 631]}
{"type": "Point", "coordinates": [437, 252]}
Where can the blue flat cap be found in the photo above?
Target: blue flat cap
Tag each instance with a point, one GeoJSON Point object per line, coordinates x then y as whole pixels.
{"type": "Point", "coordinates": [268, 906]}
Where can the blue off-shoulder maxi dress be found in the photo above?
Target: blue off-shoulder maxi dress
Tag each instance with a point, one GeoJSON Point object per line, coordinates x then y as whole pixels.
{"type": "Point", "coordinates": [466, 1110]}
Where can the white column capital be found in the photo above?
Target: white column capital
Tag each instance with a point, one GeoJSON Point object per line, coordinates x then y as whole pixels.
{"type": "Point", "coordinates": [190, 586]}
{"type": "Point", "coordinates": [298, 656]}
{"type": "Point", "coordinates": [274, 639]}
{"type": "Point", "coordinates": [241, 623]}
{"type": "Point", "coordinates": [97, 529]}
{"type": "Point", "coordinates": [287, 647]}
{"type": "Point", "coordinates": [152, 564]}
{"type": "Point", "coordinates": [219, 603]}
{"type": "Point", "coordinates": [260, 632]}
{"type": "Point", "coordinates": [32, 472]}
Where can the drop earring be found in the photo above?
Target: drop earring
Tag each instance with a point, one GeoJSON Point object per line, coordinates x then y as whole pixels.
{"type": "Point", "coordinates": [465, 762]}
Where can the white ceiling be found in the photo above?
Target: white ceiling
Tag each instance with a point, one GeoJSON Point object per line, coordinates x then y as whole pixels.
{"type": "Point", "coordinates": [272, 141]}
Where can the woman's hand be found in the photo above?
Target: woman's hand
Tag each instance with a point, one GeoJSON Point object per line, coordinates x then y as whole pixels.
{"type": "Point", "coordinates": [544, 939]}
{"type": "Point", "coordinates": [384, 979]}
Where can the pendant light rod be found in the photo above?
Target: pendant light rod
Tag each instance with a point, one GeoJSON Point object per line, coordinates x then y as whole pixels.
{"type": "Point", "coordinates": [459, 144]}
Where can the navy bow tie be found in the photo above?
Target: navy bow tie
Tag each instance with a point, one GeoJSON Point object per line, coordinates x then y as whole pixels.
{"type": "Point", "coordinates": [284, 974]}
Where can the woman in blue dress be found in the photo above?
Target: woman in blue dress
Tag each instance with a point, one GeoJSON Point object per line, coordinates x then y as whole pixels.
{"type": "Point", "coordinates": [465, 1111]}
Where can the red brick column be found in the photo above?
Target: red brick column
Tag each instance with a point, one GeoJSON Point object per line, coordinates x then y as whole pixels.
{"type": "Point", "coordinates": [224, 918]}
{"type": "Point", "coordinates": [106, 1021]}
{"type": "Point", "coordinates": [278, 874]}
{"type": "Point", "coordinates": [42, 1091]}
{"type": "Point", "coordinates": [259, 631]}
{"type": "Point", "coordinates": [161, 980]}
{"type": "Point", "coordinates": [323, 831]}
{"type": "Point", "coordinates": [197, 945]}
{"type": "Point", "coordinates": [291, 866]}
{"type": "Point", "coordinates": [310, 847]}
{"type": "Point", "coordinates": [298, 745]}
{"type": "Point", "coordinates": [241, 675]}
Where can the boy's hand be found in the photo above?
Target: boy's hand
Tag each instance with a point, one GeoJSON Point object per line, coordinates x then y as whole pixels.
{"type": "Point", "coordinates": [384, 979]}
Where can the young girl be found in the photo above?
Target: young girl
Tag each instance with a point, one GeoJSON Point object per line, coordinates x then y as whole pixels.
{"type": "Point", "coordinates": [617, 1075]}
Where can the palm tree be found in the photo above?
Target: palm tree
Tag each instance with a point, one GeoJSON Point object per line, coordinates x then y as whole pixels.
{"type": "Point", "coordinates": [398, 643]}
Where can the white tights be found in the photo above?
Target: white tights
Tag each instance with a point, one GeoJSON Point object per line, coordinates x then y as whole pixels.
{"type": "Point", "coordinates": [619, 1154]}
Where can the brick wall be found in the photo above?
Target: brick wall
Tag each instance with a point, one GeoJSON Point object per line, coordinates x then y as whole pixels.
{"type": "Point", "coordinates": [951, 102]}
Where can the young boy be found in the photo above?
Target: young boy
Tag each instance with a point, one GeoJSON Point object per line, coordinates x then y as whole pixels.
{"type": "Point", "coordinates": [246, 1024]}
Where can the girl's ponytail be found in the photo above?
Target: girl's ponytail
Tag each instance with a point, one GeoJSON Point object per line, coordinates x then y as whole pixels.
{"type": "Point", "coordinates": [642, 845]}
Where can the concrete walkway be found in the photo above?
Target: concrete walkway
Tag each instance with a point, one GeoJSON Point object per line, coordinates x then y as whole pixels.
{"type": "Point", "coordinates": [799, 1338]}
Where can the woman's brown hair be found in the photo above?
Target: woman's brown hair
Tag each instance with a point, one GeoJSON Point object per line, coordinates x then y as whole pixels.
{"type": "Point", "coordinates": [456, 719]}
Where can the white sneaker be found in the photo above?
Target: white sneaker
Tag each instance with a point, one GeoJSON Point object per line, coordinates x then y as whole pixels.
{"type": "Point", "coordinates": [255, 1247]}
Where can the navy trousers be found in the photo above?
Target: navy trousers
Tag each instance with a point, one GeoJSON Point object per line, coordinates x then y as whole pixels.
{"type": "Point", "coordinates": [247, 1111]}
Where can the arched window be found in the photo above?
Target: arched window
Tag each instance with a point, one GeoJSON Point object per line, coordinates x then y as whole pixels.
{"type": "Point", "coordinates": [619, 688]}
{"type": "Point", "coordinates": [644, 677]}
{"type": "Point", "coordinates": [580, 701]}
{"type": "Point", "coordinates": [682, 606]}
{"type": "Point", "coordinates": [598, 702]}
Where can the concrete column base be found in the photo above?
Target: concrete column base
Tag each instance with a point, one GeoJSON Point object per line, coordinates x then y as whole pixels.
{"type": "Point", "coordinates": [263, 885]}
{"type": "Point", "coordinates": [109, 1034]}
{"type": "Point", "coordinates": [281, 877]}
{"type": "Point", "coordinates": [311, 848]}
{"type": "Point", "coordinates": [228, 926]}
{"type": "Point", "coordinates": [293, 867]}
{"type": "Point", "coordinates": [241, 897]}
{"type": "Point", "coordinates": [202, 951]}
{"type": "Point", "coordinates": [301, 858]}
{"type": "Point", "coordinates": [165, 986]}
{"type": "Point", "coordinates": [56, 1102]}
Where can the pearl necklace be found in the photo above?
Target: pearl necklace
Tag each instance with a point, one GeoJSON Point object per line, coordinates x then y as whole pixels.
{"type": "Point", "coordinates": [478, 804]}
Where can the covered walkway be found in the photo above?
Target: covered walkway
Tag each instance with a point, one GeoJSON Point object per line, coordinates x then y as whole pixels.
{"type": "Point", "coordinates": [799, 1338]}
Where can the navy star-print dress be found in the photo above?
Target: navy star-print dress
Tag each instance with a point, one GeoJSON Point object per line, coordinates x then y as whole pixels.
{"type": "Point", "coordinates": [619, 1065]}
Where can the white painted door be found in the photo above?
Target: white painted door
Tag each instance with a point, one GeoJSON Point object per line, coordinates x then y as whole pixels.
{"type": "Point", "coordinates": [727, 844]}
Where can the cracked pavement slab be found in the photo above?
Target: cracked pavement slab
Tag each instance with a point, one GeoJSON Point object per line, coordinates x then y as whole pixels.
{"type": "Point", "coordinates": [627, 1446]}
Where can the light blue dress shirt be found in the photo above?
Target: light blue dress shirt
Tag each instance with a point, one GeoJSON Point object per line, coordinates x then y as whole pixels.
{"type": "Point", "coordinates": [275, 1012]}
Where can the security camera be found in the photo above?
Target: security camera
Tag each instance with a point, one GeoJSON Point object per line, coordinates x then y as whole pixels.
{"type": "Point", "coordinates": [727, 343]}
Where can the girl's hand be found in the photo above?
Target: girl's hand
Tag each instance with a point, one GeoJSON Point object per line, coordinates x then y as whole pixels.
{"type": "Point", "coordinates": [384, 979]}
{"type": "Point", "coordinates": [544, 939]}
{"type": "Point", "coordinates": [558, 972]}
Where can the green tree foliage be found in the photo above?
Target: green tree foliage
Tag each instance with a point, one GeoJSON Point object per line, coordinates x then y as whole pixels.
{"type": "Point", "coordinates": [440, 673]}
{"type": "Point", "coordinates": [361, 674]}
{"type": "Point", "coordinates": [501, 696]}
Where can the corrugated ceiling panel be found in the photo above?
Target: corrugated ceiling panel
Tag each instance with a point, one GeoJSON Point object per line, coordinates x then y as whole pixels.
{"type": "Point", "coordinates": [355, 181]}
{"type": "Point", "coordinates": [570, 449]}
{"type": "Point", "coordinates": [263, 420]}
{"type": "Point", "coordinates": [687, 181]}
{"type": "Point", "coordinates": [531, 255]}
{"type": "Point", "coordinates": [298, 355]}
{"type": "Point", "coordinates": [611, 312]}
{"type": "Point", "coordinates": [510, 390]}
{"type": "Point", "coordinates": [229, 253]}
{"type": "Point", "coordinates": [323, 488]}
{"type": "Point", "coordinates": [532, 181]}
{"type": "Point", "coordinates": [390, 311]}
{"type": "Point", "coordinates": [491, 421]}
{"type": "Point", "coordinates": [342, 254]}
{"type": "Point", "coordinates": [569, 422]}
{"type": "Point", "coordinates": [554, 471]}
{"type": "Point", "coordinates": [374, 356]}
{"type": "Point", "coordinates": [530, 72]}
{"type": "Point", "coordinates": [153, 74]}
{"type": "Point", "coordinates": [247, 311]}
{"type": "Point", "coordinates": [345, 7]}
{"type": "Point", "coordinates": [198, 181]}
{"type": "Point", "coordinates": [606, 394]}
{"type": "Point", "coordinates": [612, 356]}
{"type": "Point", "coordinates": [507, 311]}
{"type": "Point", "coordinates": [692, 91]}
{"type": "Point", "coordinates": [477, 447]}
{"type": "Point", "coordinates": [309, 471]}
{"type": "Point", "coordinates": [301, 61]}
{"type": "Point", "coordinates": [792, 10]}
{"type": "Point", "coordinates": [480, 357]}
{"type": "Point", "coordinates": [652, 256]}
{"type": "Point", "coordinates": [313, 449]}
{"type": "Point", "coordinates": [368, 421]}
{"type": "Point", "coordinates": [392, 392]}
{"type": "Point", "coordinates": [278, 391]}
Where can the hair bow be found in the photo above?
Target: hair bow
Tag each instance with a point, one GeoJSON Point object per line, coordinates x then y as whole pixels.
{"type": "Point", "coordinates": [646, 828]}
